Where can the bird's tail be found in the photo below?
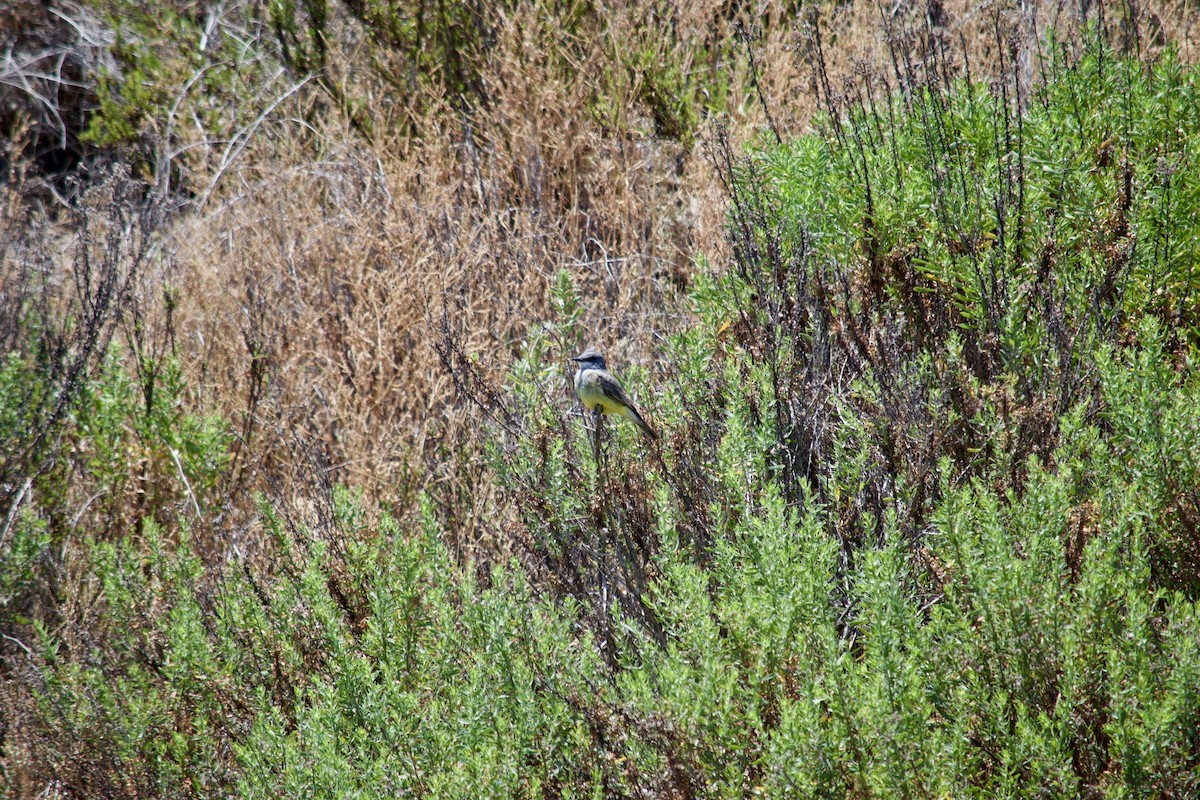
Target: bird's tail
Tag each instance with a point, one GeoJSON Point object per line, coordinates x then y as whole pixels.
{"type": "Point", "coordinates": [636, 418]}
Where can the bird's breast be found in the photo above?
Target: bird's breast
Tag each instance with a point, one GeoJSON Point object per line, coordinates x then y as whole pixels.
{"type": "Point", "coordinates": [592, 395]}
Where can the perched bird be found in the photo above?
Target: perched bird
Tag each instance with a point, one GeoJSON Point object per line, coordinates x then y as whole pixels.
{"type": "Point", "coordinates": [602, 393]}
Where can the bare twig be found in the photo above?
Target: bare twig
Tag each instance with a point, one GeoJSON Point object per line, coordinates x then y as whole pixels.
{"type": "Point", "coordinates": [186, 483]}
{"type": "Point", "coordinates": [235, 146]}
{"type": "Point", "coordinates": [12, 511]}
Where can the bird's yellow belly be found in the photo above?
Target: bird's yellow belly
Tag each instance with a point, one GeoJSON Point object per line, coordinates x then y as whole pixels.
{"type": "Point", "coordinates": [594, 400]}
{"type": "Point", "coordinates": [608, 407]}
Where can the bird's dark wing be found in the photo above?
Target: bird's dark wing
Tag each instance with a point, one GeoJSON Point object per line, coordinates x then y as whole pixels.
{"type": "Point", "coordinates": [609, 386]}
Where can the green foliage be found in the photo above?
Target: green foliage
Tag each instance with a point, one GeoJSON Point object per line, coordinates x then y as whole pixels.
{"type": "Point", "coordinates": [131, 463]}
{"type": "Point", "coordinates": [181, 75]}
{"type": "Point", "coordinates": [416, 45]}
{"type": "Point", "coordinates": [152, 729]}
{"type": "Point", "coordinates": [419, 46]}
{"type": "Point", "coordinates": [137, 435]}
{"type": "Point", "coordinates": [654, 68]}
{"type": "Point", "coordinates": [24, 398]}
{"type": "Point", "coordinates": [449, 688]}
{"type": "Point", "coordinates": [25, 544]}
{"type": "Point", "coordinates": [1080, 202]}
{"type": "Point", "coordinates": [1155, 437]}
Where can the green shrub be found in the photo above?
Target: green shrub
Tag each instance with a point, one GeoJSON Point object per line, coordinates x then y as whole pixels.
{"type": "Point", "coordinates": [131, 692]}
{"type": "Point", "coordinates": [182, 80]}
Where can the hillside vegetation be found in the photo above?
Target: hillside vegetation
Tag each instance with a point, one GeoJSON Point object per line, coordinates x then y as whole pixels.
{"type": "Point", "coordinates": [298, 502]}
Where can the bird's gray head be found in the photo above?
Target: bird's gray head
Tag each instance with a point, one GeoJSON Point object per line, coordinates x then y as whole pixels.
{"type": "Point", "coordinates": [590, 358]}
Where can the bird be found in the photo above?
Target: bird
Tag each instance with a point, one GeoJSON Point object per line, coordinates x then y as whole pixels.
{"type": "Point", "coordinates": [601, 393]}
